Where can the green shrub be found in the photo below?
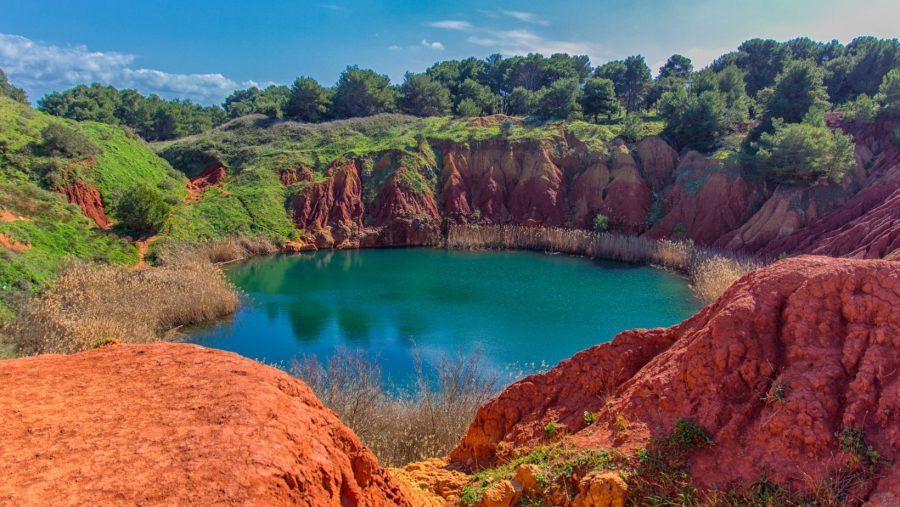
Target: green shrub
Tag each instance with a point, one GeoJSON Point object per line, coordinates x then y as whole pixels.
{"type": "Point", "coordinates": [468, 108]}
{"type": "Point", "coordinates": [589, 418]}
{"type": "Point", "coordinates": [551, 429]}
{"type": "Point", "coordinates": [600, 223]}
{"type": "Point", "coordinates": [632, 128]}
{"type": "Point", "coordinates": [142, 209]}
{"type": "Point", "coordinates": [862, 109]}
{"type": "Point", "coordinates": [801, 152]}
{"type": "Point", "coordinates": [688, 434]}
{"type": "Point", "coordinates": [63, 141]}
{"type": "Point", "coordinates": [889, 93]}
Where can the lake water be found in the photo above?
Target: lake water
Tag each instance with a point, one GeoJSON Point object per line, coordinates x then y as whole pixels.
{"type": "Point", "coordinates": [519, 309]}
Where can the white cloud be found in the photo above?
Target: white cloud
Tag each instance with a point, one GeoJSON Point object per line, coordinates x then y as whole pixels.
{"type": "Point", "coordinates": [517, 42]}
{"type": "Point", "coordinates": [38, 66]}
{"type": "Point", "coordinates": [451, 24]}
{"type": "Point", "coordinates": [526, 17]}
{"type": "Point", "coordinates": [423, 44]}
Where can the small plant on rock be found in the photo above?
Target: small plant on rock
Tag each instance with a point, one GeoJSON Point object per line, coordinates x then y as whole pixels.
{"type": "Point", "coordinates": [600, 223]}
{"type": "Point", "coordinates": [551, 428]}
{"type": "Point", "coordinates": [589, 418]}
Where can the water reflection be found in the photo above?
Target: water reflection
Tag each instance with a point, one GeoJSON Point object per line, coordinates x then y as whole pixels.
{"type": "Point", "coordinates": [518, 308]}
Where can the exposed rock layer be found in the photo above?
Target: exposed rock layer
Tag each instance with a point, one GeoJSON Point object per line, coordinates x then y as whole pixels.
{"type": "Point", "coordinates": [790, 356]}
{"type": "Point", "coordinates": [175, 424]}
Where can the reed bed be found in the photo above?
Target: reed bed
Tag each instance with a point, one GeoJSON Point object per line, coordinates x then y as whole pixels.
{"type": "Point", "coordinates": [90, 304]}
{"type": "Point", "coordinates": [711, 272]}
{"type": "Point", "coordinates": [401, 424]}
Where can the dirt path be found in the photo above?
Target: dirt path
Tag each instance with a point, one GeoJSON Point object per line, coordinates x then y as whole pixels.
{"type": "Point", "coordinates": [144, 247]}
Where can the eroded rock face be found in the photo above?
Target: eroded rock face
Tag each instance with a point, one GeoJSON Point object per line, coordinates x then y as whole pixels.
{"type": "Point", "coordinates": [89, 200]}
{"type": "Point", "coordinates": [175, 424]}
{"type": "Point", "coordinates": [332, 209]}
{"type": "Point", "coordinates": [785, 360]}
{"type": "Point", "coordinates": [708, 200]}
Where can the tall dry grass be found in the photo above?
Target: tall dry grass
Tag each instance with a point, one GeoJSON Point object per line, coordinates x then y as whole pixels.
{"type": "Point", "coordinates": [711, 272]}
{"type": "Point", "coordinates": [218, 251]}
{"type": "Point", "coordinates": [401, 424]}
{"type": "Point", "coordinates": [90, 303]}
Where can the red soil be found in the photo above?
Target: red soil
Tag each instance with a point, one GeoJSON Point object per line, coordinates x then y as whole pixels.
{"type": "Point", "coordinates": [11, 244]}
{"type": "Point", "coordinates": [7, 216]}
{"type": "Point", "coordinates": [212, 175]}
{"type": "Point", "coordinates": [144, 247]}
{"type": "Point", "coordinates": [169, 424]}
{"type": "Point", "coordinates": [89, 200]}
{"type": "Point", "coordinates": [827, 330]}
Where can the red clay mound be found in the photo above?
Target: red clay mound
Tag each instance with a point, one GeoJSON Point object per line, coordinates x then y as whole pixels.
{"type": "Point", "coordinates": [212, 175]}
{"type": "Point", "coordinates": [168, 424]}
{"type": "Point", "coordinates": [88, 199]}
{"type": "Point", "coordinates": [787, 358]}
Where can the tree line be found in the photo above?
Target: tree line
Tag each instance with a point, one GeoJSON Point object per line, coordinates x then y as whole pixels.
{"type": "Point", "coordinates": [748, 89]}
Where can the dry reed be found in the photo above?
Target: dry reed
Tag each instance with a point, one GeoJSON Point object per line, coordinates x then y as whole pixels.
{"type": "Point", "coordinates": [401, 424]}
{"type": "Point", "coordinates": [219, 251]}
{"type": "Point", "coordinates": [711, 272]}
{"type": "Point", "coordinates": [90, 303]}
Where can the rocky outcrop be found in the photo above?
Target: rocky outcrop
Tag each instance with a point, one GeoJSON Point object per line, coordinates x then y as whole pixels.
{"type": "Point", "coordinates": [866, 227]}
{"type": "Point", "coordinates": [708, 200]}
{"type": "Point", "coordinates": [658, 162]}
{"type": "Point", "coordinates": [89, 200]}
{"type": "Point", "coordinates": [332, 209]}
{"type": "Point", "coordinates": [786, 360]}
{"type": "Point", "coordinates": [175, 424]}
{"type": "Point", "coordinates": [290, 176]}
{"type": "Point", "coordinates": [211, 176]}
{"type": "Point", "coordinates": [788, 210]}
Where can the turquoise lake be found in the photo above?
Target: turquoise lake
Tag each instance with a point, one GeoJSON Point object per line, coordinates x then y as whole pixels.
{"type": "Point", "coordinates": [519, 309]}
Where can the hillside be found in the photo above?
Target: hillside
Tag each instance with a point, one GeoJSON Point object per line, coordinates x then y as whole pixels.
{"type": "Point", "coordinates": [395, 180]}
{"type": "Point", "coordinates": [57, 206]}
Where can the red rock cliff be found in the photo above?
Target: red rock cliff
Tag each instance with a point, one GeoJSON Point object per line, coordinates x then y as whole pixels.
{"type": "Point", "coordinates": [823, 332]}
{"type": "Point", "coordinates": [169, 424]}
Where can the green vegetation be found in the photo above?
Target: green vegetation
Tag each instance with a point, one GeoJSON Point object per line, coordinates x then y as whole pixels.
{"type": "Point", "coordinates": [151, 117]}
{"type": "Point", "coordinates": [142, 209]}
{"type": "Point", "coordinates": [551, 428]}
{"type": "Point", "coordinates": [799, 152]}
{"type": "Point", "coordinates": [38, 154]}
{"type": "Point", "coordinates": [889, 93]}
{"type": "Point", "coordinates": [853, 441]}
{"type": "Point", "coordinates": [10, 91]}
{"type": "Point", "coordinates": [600, 223]}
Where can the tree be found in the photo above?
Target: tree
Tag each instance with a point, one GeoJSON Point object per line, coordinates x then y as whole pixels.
{"type": "Point", "coordinates": [559, 100]}
{"type": "Point", "coordinates": [8, 90]}
{"type": "Point", "coordinates": [693, 121]}
{"type": "Point", "coordinates": [309, 101]}
{"type": "Point", "coordinates": [861, 67]}
{"type": "Point", "coordinates": [631, 78]}
{"type": "Point", "coordinates": [362, 92]}
{"type": "Point", "coordinates": [520, 101]}
{"type": "Point", "coordinates": [677, 66]}
{"type": "Point", "coordinates": [468, 108]}
{"type": "Point", "coordinates": [889, 93]}
{"type": "Point", "coordinates": [797, 90]}
{"type": "Point", "coordinates": [599, 98]}
{"type": "Point", "coordinates": [761, 60]}
{"type": "Point", "coordinates": [64, 141]}
{"type": "Point", "coordinates": [422, 96]}
{"type": "Point", "coordinates": [479, 94]}
{"type": "Point", "coordinates": [241, 102]}
{"type": "Point", "coordinates": [142, 209]}
{"type": "Point", "coordinates": [862, 109]}
{"type": "Point", "coordinates": [802, 152]}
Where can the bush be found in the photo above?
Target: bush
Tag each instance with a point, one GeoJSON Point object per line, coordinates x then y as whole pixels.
{"type": "Point", "coordinates": [889, 93]}
{"type": "Point", "coordinates": [401, 424]}
{"type": "Point", "coordinates": [142, 209]}
{"type": "Point", "coordinates": [63, 141]}
{"type": "Point", "coordinates": [862, 109]}
{"type": "Point", "coordinates": [800, 152]}
{"type": "Point", "coordinates": [93, 302]}
{"type": "Point", "coordinates": [632, 128]}
{"type": "Point", "coordinates": [600, 223]}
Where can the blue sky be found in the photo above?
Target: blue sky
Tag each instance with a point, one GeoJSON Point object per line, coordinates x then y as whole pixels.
{"type": "Point", "coordinates": [203, 49]}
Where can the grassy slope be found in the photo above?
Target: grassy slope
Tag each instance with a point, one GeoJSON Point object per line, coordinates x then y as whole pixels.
{"type": "Point", "coordinates": [56, 229]}
{"type": "Point", "coordinates": [256, 148]}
